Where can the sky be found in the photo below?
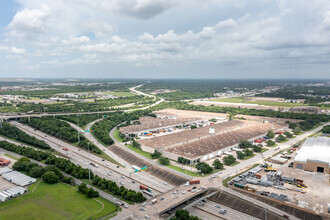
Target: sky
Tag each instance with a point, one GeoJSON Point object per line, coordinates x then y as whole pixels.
{"type": "Point", "coordinates": [237, 39]}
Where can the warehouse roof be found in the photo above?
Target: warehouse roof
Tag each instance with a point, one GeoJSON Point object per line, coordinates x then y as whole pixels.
{"type": "Point", "coordinates": [314, 150]}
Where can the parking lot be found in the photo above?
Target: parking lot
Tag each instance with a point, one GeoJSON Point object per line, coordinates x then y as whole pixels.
{"type": "Point", "coordinates": [4, 184]}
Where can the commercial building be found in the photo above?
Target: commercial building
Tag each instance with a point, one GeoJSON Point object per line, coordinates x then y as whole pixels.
{"type": "Point", "coordinates": [18, 178]}
{"type": "Point", "coordinates": [314, 155]}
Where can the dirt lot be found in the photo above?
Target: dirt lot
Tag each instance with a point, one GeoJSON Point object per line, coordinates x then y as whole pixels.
{"type": "Point", "coordinates": [317, 191]}
{"type": "Point", "coordinates": [185, 113]}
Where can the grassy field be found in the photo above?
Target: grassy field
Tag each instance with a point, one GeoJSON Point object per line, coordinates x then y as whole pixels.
{"type": "Point", "coordinates": [116, 136]}
{"type": "Point", "coordinates": [58, 201]}
{"type": "Point", "coordinates": [120, 94]}
{"type": "Point", "coordinates": [241, 100]}
{"type": "Point", "coordinates": [231, 165]}
{"type": "Point", "coordinates": [139, 151]}
{"type": "Point", "coordinates": [11, 156]}
{"type": "Point", "coordinates": [190, 173]}
{"type": "Point", "coordinates": [246, 158]}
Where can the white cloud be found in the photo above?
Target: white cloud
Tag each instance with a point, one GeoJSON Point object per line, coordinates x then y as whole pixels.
{"type": "Point", "coordinates": [29, 21]}
{"type": "Point", "coordinates": [143, 9]}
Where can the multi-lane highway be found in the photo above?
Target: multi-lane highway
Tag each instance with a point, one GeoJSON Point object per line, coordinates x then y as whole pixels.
{"type": "Point", "coordinates": [121, 175]}
{"type": "Point", "coordinates": [143, 177]}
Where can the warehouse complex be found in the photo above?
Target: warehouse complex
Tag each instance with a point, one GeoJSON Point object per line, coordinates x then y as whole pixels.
{"type": "Point", "coordinates": [314, 155]}
{"type": "Point", "coordinates": [213, 133]}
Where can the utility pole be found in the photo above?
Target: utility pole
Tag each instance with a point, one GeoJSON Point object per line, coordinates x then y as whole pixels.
{"type": "Point", "coordinates": [89, 165]}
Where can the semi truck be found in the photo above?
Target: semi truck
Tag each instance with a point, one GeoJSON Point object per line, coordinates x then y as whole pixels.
{"type": "Point", "coordinates": [194, 182]}
{"type": "Point", "coordinates": [149, 193]}
{"type": "Point", "coordinates": [145, 188]}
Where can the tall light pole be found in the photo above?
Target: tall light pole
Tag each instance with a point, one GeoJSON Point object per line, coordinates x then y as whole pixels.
{"type": "Point", "coordinates": [89, 165]}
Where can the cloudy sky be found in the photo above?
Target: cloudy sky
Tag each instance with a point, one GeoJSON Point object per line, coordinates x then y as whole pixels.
{"type": "Point", "coordinates": [165, 38]}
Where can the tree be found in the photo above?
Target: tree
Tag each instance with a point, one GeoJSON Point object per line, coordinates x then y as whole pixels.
{"type": "Point", "coordinates": [24, 159]}
{"type": "Point", "coordinates": [244, 144]}
{"type": "Point", "coordinates": [156, 154]}
{"type": "Point", "coordinates": [136, 144]}
{"type": "Point", "coordinates": [91, 193]}
{"type": "Point", "coordinates": [257, 148]}
{"type": "Point", "coordinates": [270, 134]}
{"type": "Point", "coordinates": [292, 125]}
{"type": "Point", "coordinates": [204, 167]}
{"type": "Point", "coordinates": [164, 160]}
{"type": "Point", "coordinates": [326, 129]}
{"type": "Point", "coordinates": [181, 214]}
{"type": "Point", "coordinates": [297, 130]}
{"type": "Point", "coordinates": [270, 143]}
{"type": "Point", "coordinates": [50, 177]}
{"type": "Point", "coordinates": [37, 171]}
{"type": "Point", "coordinates": [228, 160]}
{"type": "Point", "coordinates": [288, 134]}
{"type": "Point", "coordinates": [280, 138]}
{"type": "Point", "coordinates": [217, 164]}
{"type": "Point", "coordinates": [83, 188]}
{"type": "Point", "coordinates": [248, 152]}
{"type": "Point", "coordinates": [240, 155]}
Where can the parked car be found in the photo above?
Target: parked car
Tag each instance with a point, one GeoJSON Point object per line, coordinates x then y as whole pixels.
{"type": "Point", "coordinates": [290, 164]}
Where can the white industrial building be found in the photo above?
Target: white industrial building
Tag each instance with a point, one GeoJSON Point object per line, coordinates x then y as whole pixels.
{"type": "Point", "coordinates": [314, 155]}
{"type": "Point", "coordinates": [12, 193]}
{"type": "Point", "coordinates": [18, 178]}
{"type": "Point", "coordinates": [5, 170]}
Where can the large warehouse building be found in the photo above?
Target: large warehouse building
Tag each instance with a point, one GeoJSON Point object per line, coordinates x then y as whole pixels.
{"type": "Point", "coordinates": [314, 155]}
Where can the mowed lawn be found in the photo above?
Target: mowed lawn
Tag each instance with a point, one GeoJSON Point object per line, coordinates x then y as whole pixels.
{"type": "Point", "coordinates": [58, 201]}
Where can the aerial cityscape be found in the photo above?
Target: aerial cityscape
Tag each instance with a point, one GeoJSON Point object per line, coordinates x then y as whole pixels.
{"type": "Point", "coordinates": [154, 109]}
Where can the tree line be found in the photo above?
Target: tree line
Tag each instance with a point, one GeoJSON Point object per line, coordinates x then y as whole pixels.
{"type": "Point", "coordinates": [13, 132]}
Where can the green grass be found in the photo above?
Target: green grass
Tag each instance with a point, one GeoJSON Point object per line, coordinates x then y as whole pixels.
{"type": "Point", "coordinates": [225, 181]}
{"type": "Point", "coordinates": [120, 94]}
{"type": "Point", "coordinates": [116, 136]}
{"type": "Point", "coordinates": [314, 134]}
{"type": "Point", "coordinates": [241, 100]}
{"type": "Point", "coordinates": [12, 157]}
{"type": "Point", "coordinates": [57, 201]}
{"type": "Point", "coordinates": [246, 158]}
{"type": "Point", "coordinates": [139, 151]}
{"type": "Point", "coordinates": [233, 164]}
{"type": "Point", "coordinates": [190, 173]}
{"type": "Point", "coordinates": [264, 150]}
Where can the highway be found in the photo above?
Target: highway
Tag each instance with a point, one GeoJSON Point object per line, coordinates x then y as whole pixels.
{"type": "Point", "coordinates": [77, 181]}
{"type": "Point", "coordinates": [231, 214]}
{"type": "Point", "coordinates": [106, 169]}
{"type": "Point", "coordinates": [143, 177]}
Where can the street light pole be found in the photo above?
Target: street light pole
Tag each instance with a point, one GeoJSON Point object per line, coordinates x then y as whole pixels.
{"type": "Point", "coordinates": [89, 165]}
